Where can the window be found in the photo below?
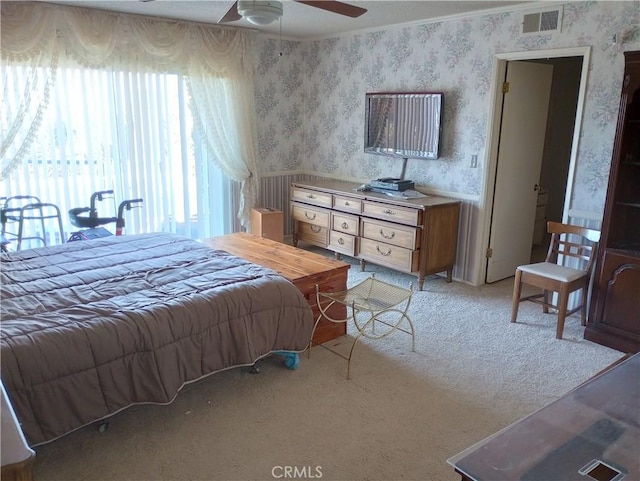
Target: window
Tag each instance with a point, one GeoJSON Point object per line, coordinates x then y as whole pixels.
{"type": "Point", "coordinates": [149, 108]}
{"type": "Point", "coordinates": [129, 132]}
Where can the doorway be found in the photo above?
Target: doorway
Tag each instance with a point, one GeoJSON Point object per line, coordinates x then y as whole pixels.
{"type": "Point", "coordinates": [563, 105]}
{"type": "Point", "coordinates": [554, 184]}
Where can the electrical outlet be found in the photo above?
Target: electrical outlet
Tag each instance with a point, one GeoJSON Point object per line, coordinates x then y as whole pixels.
{"type": "Point", "coordinates": [474, 161]}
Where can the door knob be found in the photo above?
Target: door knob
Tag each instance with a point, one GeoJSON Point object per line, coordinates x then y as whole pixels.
{"type": "Point", "coordinates": [536, 188]}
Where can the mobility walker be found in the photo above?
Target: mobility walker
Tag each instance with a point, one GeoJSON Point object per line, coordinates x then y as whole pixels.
{"type": "Point", "coordinates": [87, 218]}
{"type": "Point", "coordinates": [18, 210]}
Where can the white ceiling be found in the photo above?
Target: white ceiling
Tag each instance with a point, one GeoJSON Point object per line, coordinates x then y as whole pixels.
{"type": "Point", "coordinates": [302, 21]}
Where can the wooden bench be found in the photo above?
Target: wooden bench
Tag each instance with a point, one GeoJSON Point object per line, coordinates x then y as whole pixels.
{"type": "Point", "coordinates": [303, 268]}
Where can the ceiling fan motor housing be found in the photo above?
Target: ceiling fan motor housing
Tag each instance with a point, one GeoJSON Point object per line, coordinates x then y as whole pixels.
{"type": "Point", "coordinates": [260, 12]}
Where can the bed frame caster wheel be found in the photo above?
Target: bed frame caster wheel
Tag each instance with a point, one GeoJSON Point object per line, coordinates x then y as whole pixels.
{"type": "Point", "coordinates": [254, 369]}
{"type": "Point", "coordinates": [102, 427]}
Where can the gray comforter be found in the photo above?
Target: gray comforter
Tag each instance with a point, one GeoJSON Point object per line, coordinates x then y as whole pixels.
{"type": "Point", "coordinates": [90, 328]}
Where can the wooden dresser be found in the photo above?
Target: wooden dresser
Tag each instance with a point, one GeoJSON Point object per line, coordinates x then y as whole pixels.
{"type": "Point", "coordinates": [417, 236]}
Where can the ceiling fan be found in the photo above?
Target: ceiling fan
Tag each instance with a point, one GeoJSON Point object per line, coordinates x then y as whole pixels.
{"type": "Point", "coordinates": [265, 12]}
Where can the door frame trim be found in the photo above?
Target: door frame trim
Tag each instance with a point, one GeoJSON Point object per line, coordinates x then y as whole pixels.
{"type": "Point", "coordinates": [493, 137]}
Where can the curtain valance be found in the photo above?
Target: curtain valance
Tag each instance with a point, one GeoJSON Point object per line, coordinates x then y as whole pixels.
{"type": "Point", "coordinates": [99, 38]}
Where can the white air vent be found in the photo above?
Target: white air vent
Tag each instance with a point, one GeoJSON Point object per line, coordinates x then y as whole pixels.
{"type": "Point", "coordinates": [542, 21]}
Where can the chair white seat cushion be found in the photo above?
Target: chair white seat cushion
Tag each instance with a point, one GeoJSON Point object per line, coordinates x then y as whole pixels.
{"type": "Point", "coordinates": [553, 271]}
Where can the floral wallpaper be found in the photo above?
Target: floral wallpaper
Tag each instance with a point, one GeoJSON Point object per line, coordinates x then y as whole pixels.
{"type": "Point", "coordinates": [310, 95]}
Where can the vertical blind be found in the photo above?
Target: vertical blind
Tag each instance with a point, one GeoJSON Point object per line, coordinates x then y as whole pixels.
{"type": "Point", "coordinates": [130, 132]}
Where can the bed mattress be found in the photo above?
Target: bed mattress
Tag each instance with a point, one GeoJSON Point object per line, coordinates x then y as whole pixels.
{"type": "Point", "coordinates": [90, 328]}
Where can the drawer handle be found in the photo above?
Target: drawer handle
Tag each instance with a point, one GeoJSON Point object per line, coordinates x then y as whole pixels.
{"type": "Point", "coordinates": [345, 225]}
{"type": "Point", "coordinates": [310, 217]}
{"type": "Point", "coordinates": [341, 241]}
{"type": "Point", "coordinates": [389, 211]}
{"type": "Point", "coordinates": [311, 196]}
{"type": "Point", "coordinates": [314, 227]}
{"type": "Point", "coordinates": [346, 202]}
{"type": "Point", "coordinates": [383, 253]}
{"type": "Point", "coordinates": [393, 234]}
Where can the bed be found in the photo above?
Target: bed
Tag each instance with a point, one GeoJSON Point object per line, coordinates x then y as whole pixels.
{"type": "Point", "coordinates": [90, 328]}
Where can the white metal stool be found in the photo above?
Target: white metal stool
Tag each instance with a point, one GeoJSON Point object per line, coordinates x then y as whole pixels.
{"type": "Point", "coordinates": [371, 301]}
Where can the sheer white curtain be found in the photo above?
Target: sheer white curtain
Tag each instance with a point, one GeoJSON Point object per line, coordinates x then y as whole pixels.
{"type": "Point", "coordinates": [28, 36]}
{"type": "Point", "coordinates": [151, 109]}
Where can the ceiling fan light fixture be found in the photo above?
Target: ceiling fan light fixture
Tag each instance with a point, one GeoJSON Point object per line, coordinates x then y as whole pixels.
{"type": "Point", "coordinates": [260, 12]}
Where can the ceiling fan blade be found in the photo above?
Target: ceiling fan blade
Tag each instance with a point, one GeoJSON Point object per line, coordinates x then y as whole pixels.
{"type": "Point", "coordinates": [336, 7]}
{"type": "Point", "coordinates": [232, 14]}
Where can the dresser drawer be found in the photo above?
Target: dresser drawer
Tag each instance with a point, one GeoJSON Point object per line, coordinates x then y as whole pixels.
{"type": "Point", "coordinates": [343, 243]}
{"type": "Point", "coordinates": [347, 204]}
{"type": "Point", "coordinates": [344, 223]}
{"type": "Point", "coordinates": [389, 255]}
{"type": "Point", "coordinates": [311, 215]}
{"type": "Point", "coordinates": [392, 213]}
{"type": "Point", "coordinates": [313, 234]}
{"type": "Point", "coordinates": [396, 234]}
{"type": "Point", "coordinates": [314, 197]}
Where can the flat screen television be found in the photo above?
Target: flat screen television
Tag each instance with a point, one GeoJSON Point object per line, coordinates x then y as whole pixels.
{"type": "Point", "coordinates": [405, 125]}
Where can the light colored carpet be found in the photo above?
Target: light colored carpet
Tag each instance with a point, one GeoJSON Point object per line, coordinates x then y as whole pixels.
{"type": "Point", "coordinates": [400, 417]}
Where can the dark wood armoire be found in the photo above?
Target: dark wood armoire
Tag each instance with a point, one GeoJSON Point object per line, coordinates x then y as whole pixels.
{"type": "Point", "coordinates": [614, 316]}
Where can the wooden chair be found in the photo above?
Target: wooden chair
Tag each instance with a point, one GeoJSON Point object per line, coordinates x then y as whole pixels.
{"type": "Point", "coordinates": [551, 276]}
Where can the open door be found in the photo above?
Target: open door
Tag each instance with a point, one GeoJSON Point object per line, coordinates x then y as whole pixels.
{"type": "Point", "coordinates": [522, 134]}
